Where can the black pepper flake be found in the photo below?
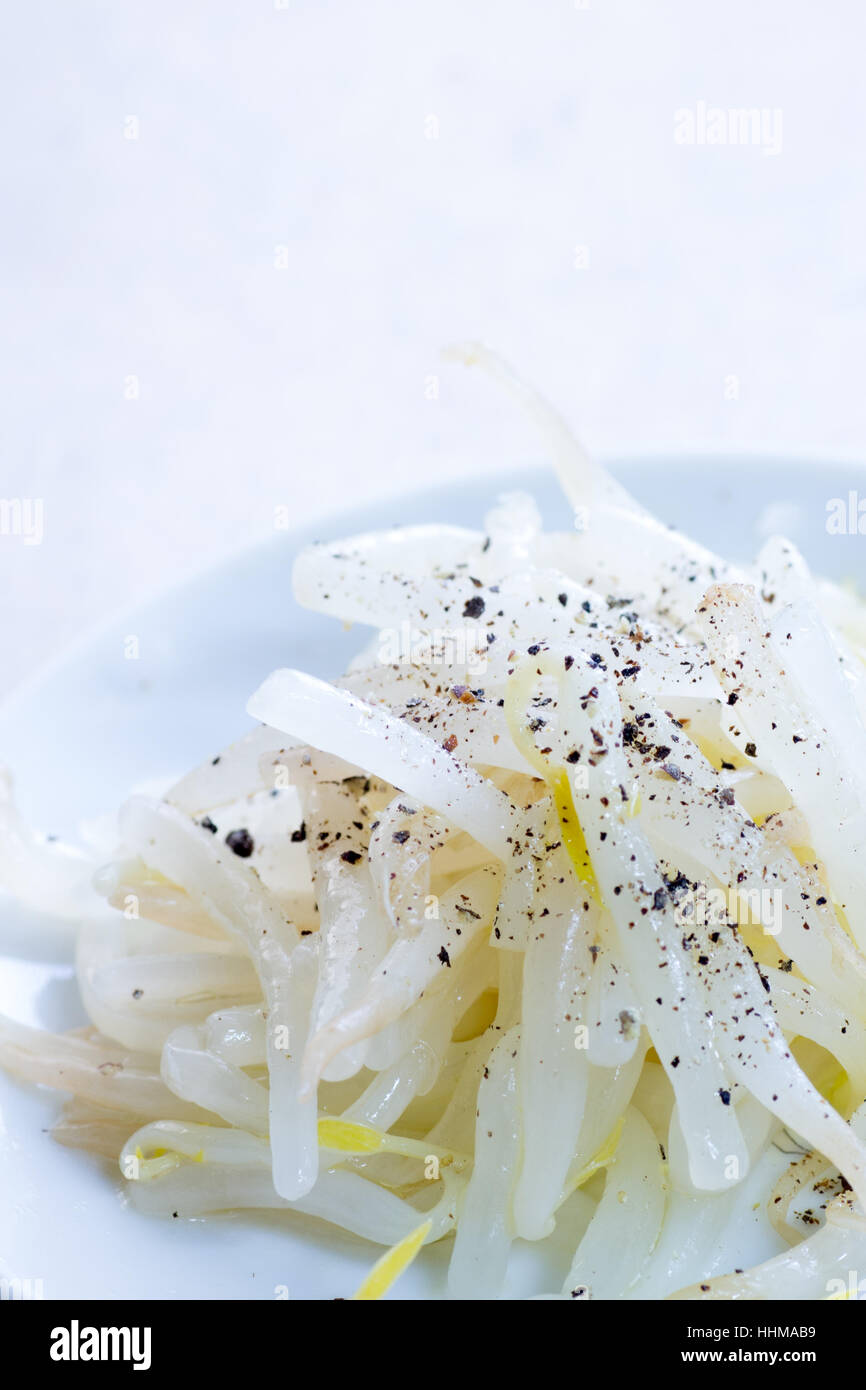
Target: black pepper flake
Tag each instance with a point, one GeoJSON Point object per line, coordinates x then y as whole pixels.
{"type": "Point", "coordinates": [569, 662]}
{"type": "Point", "coordinates": [240, 842]}
{"type": "Point", "coordinates": [350, 856]}
{"type": "Point", "coordinates": [677, 884]}
{"type": "Point", "coordinates": [675, 1061]}
{"type": "Point", "coordinates": [474, 607]}
{"type": "Point", "coordinates": [751, 750]}
{"type": "Point", "coordinates": [400, 836]}
{"type": "Point", "coordinates": [299, 835]}
{"type": "Point", "coordinates": [445, 958]}
{"type": "Point", "coordinates": [563, 598]}
{"type": "Point", "coordinates": [725, 1097]}
{"type": "Point", "coordinates": [207, 824]}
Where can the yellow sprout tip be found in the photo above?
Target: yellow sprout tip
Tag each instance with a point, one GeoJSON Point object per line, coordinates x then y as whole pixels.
{"type": "Point", "coordinates": [392, 1264]}
{"type": "Point", "coordinates": [347, 1138]}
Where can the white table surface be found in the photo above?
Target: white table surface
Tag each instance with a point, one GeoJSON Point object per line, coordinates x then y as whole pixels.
{"type": "Point", "coordinates": [317, 196]}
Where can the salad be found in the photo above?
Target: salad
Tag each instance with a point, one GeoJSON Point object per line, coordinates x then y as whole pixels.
{"type": "Point", "coordinates": [544, 923]}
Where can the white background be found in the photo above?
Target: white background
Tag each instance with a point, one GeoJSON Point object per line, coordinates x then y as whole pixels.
{"type": "Point", "coordinates": [279, 255]}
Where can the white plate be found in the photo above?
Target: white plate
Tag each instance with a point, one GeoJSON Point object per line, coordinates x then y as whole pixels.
{"type": "Point", "coordinates": [96, 723]}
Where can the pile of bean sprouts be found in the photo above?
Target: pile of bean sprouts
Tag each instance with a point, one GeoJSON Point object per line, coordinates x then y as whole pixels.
{"type": "Point", "coordinates": [545, 923]}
